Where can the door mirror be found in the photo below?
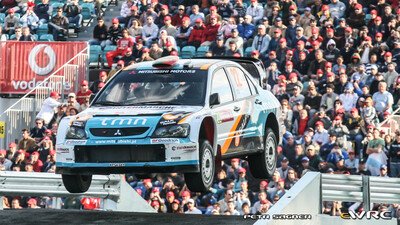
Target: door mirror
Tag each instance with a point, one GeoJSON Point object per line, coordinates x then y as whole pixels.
{"type": "Point", "coordinates": [214, 99]}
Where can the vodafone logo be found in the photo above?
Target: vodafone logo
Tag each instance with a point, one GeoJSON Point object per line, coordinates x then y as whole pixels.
{"type": "Point", "coordinates": [42, 71]}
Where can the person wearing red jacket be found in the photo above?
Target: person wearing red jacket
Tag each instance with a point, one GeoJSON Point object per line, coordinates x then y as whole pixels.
{"type": "Point", "coordinates": [211, 31]}
{"type": "Point", "coordinates": [122, 45]}
{"type": "Point", "coordinates": [196, 36]}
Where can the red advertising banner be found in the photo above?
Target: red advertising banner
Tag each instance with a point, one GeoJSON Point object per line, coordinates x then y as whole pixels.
{"type": "Point", "coordinates": [26, 64]}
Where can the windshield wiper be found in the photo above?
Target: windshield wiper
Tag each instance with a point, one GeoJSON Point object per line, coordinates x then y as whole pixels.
{"type": "Point", "coordinates": [106, 103]}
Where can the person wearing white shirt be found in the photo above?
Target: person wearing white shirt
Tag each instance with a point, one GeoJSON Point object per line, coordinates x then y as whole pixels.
{"type": "Point", "coordinates": [321, 135]}
{"type": "Point", "coordinates": [49, 104]}
{"type": "Point", "coordinates": [256, 11]}
{"type": "Point", "coordinates": [191, 208]}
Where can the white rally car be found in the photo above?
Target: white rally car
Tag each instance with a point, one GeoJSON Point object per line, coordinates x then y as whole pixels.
{"type": "Point", "coordinates": [171, 115]}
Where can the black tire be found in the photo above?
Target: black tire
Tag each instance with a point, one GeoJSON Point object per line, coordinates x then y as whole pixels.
{"type": "Point", "coordinates": [202, 181]}
{"type": "Point", "coordinates": [263, 164]}
{"type": "Point", "coordinates": [77, 183]}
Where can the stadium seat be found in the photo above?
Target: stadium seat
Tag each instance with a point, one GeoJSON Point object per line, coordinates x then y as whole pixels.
{"type": "Point", "coordinates": [201, 51]}
{"type": "Point", "coordinates": [13, 37]}
{"type": "Point", "coordinates": [2, 16]}
{"type": "Point", "coordinates": [43, 29]}
{"type": "Point", "coordinates": [55, 5]}
{"type": "Point", "coordinates": [36, 37]}
{"type": "Point", "coordinates": [46, 37]}
{"type": "Point", "coordinates": [188, 52]}
{"type": "Point", "coordinates": [178, 49]}
{"type": "Point", "coordinates": [247, 52]}
{"type": "Point", "coordinates": [95, 53]}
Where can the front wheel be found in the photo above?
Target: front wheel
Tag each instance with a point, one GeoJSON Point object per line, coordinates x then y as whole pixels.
{"type": "Point", "coordinates": [263, 165]}
{"type": "Point", "coordinates": [77, 183]}
{"type": "Point", "coordinates": [202, 181]}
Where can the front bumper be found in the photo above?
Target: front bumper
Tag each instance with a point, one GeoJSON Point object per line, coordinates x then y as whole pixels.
{"type": "Point", "coordinates": [127, 155]}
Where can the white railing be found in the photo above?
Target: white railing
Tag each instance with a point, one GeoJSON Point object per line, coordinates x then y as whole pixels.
{"type": "Point", "coordinates": [22, 113]}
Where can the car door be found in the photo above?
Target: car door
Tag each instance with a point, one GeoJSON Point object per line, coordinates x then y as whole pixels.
{"type": "Point", "coordinates": [246, 129]}
{"type": "Point", "coordinates": [223, 113]}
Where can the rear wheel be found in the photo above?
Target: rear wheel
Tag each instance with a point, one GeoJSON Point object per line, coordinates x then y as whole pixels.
{"type": "Point", "coordinates": [263, 165]}
{"type": "Point", "coordinates": [202, 181]}
{"type": "Point", "coordinates": [77, 183]}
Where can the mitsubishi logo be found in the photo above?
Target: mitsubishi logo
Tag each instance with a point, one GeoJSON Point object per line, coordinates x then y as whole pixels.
{"type": "Point", "coordinates": [118, 133]}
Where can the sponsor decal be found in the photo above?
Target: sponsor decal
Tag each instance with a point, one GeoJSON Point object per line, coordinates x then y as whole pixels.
{"type": "Point", "coordinates": [127, 141]}
{"type": "Point", "coordinates": [164, 141]}
{"type": "Point", "coordinates": [176, 158]}
{"type": "Point", "coordinates": [117, 164]}
{"type": "Point", "coordinates": [75, 142]}
{"type": "Point", "coordinates": [224, 116]}
{"type": "Point", "coordinates": [187, 148]}
{"type": "Point", "coordinates": [42, 71]}
{"type": "Point", "coordinates": [123, 121]}
{"type": "Point", "coordinates": [167, 122]}
{"type": "Point", "coordinates": [105, 141]}
{"type": "Point", "coordinates": [164, 71]}
{"type": "Point", "coordinates": [63, 150]}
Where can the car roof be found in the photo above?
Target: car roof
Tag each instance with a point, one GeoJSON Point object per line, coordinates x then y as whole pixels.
{"type": "Point", "coordinates": [180, 64]}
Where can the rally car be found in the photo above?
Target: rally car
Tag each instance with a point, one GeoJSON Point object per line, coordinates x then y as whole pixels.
{"type": "Point", "coordinates": [171, 115]}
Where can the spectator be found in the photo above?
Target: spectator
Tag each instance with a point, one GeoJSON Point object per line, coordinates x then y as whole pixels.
{"type": "Point", "coordinates": [183, 32]}
{"type": "Point", "coordinates": [192, 208]}
{"type": "Point", "coordinates": [213, 12]}
{"type": "Point", "coordinates": [114, 32]}
{"type": "Point", "coordinates": [84, 93]}
{"type": "Point", "coordinates": [73, 12]}
{"type": "Point", "coordinates": [99, 33]}
{"type": "Point", "coordinates": [26, 35]}
{"type": "Point", "coordinates": [49, 104]}
{"type": "Point", "coordinates": [43, 10]}
{"type": "Point", "coordinates": [261, 203]}
{"type": "Point", "coordinates": [125, 11]}
{"type": "Point", "coordinates": [178, 17]}
{"type": "Point", "coordinates": [122, 45]}
{"type": "Point", "coordinates": [394, 155]}
{"type": "Point", "coordinates": [171, 30]}
{"type": "Point", "coordinates": [218, 48]}
{"type": "Point", "coordinates": [135, 28]}
{"type": "Point", "coordinates": [256, 11]}
{"type": "Point", "coordinates": [165, 39]}
{"type": "Point", "coordinates": [232, 50]}
{"type": "Point", "coordinates": [30, 19]}
{"type": "Point", "coordinates": [150, 31]}
{"type": "Point", "coordinates": [376, 155]}
{"type": "Point", "coordinates": [59, 25]}
{"type": "Point", "coordinates": [36, 162]}
{"type": "Point", "coordinates": [32, 204]}
{"type": "Point", "coordinates": [26, 143]}
{"type": "Point", "coordinates": [12, 150]}
{"type": "Point", "coordinates": [352, 162]}
{"type": "Point", "coordinates": [246, 30]}
{"type": "Point", "coordinates": [146, 56]}
{"type": "Point", "coordinates": [102, 78]}
{"type": "Point", "coordinates": [5, 162]}
{"type": "Point", "coordinates": [383, 99]}
{"type": "Point", "coordinates": [210, 32]}
{"type": "Point", "coordinates": [38, 131]}
{"type": "Point", "coordinates": [15, 203]}
{"type": "Point", "coordinates": [196, 15]}
{"type": "Point", "coordinates": [261, 40]}
{"type": "Point", "coordinates": [196, 36]}
{"type": "Point", "coordinates": [11, 22]}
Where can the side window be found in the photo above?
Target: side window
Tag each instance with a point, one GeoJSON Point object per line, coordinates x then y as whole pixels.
{"type": "Point", "coordinates": [252, 87]}
{"type": "Point", "coordinates": [240, 84]}
{"type": "Point", "coordinates": [220, 85]}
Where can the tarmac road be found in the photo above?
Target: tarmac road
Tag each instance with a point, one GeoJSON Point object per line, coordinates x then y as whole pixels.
{"type": "Point", "coordinates": [72, 217]}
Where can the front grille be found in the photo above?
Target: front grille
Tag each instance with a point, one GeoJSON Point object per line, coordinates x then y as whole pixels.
{"type": "Point", "coordinates": [120, 153]}
{"type": "Point", "coordinates": [118, 132]}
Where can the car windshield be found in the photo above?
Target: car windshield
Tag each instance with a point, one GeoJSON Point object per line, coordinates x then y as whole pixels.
{"type": "Point", "coordinates": [155, 87]}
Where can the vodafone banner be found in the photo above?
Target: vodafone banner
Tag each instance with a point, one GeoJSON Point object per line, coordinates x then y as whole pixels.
{"type": "Point", "coordinates": [23, 65]}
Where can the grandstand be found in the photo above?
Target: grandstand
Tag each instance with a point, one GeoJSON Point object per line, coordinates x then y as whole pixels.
{"type": "Point", "coordinates": [334, 66]}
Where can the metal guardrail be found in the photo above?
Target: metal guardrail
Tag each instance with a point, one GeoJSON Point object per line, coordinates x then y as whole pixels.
{"type": "Point", "coordinates": [22, 113]}
{"type": "Point", "coordinates": [116, 193]}
{"type": "Point", "coordinates": [356, 188]}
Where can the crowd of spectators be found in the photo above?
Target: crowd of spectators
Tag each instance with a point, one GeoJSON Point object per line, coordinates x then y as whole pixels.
{"type": "Point", "coordinates": [332, 64]}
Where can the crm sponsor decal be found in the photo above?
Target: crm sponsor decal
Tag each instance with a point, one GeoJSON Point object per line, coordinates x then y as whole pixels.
{"type": "Point", "coordinates": [123, 121]}
{"type": "Point", "coordinates": [164, 141]}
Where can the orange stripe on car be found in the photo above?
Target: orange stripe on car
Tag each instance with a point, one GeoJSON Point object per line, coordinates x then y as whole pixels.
{"type": "Point", "coordinates": [232, 132]}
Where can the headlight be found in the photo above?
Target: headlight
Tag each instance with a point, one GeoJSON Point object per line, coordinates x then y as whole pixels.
{"type": "Point", "coordinates": [180, 130]}
{"type": "Point", "coordinates": [76, 133]}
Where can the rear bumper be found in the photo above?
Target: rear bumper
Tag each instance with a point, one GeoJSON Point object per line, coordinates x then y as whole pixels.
{"type": "Point", "coordinates": [189, 166]}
